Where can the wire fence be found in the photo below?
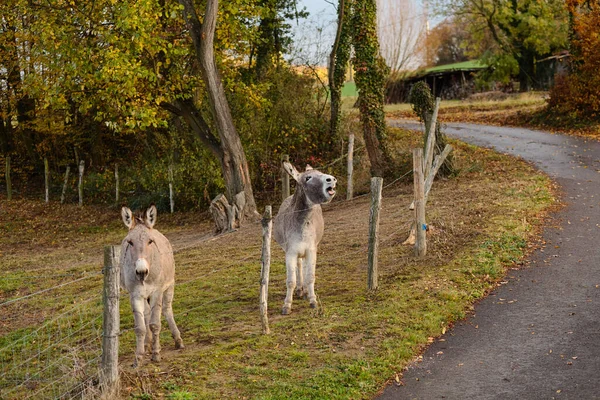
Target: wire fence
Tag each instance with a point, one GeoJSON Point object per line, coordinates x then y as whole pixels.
{"type": "Point", "coordinates": [59, 357]}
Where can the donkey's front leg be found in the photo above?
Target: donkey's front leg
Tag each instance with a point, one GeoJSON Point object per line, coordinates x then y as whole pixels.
{"type": "Point", "coordinates": [300, 285]}
{"type": "Point", "coordinates": [291, 263]}
{"type": "Point", "coordinates": [148, 341]}
{"type": "Point", "coordinates": [156, 301]}
{"type": "Point", "coordinates": [137, 306]}
{"type": "Point", "coordinates": [310, 263]}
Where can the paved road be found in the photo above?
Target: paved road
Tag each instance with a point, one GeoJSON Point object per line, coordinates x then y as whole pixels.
{"type": "Point", "coordinates": [538, 336]}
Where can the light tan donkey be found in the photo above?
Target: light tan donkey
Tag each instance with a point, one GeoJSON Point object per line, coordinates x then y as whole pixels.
{"type": "Point", "coordinates": [148, 274]}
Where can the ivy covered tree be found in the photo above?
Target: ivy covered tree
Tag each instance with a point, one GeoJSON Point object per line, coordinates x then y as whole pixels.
{"type": "Point", "coordinates": [423, 104]}
{"type": "Point", "coordinates": [357, 29]}
{"type": "Point", "coordinates": [371, 73]}
{"type": "Point", "coordinates": [338, 63]}
{"type": "Point", "coordinates": [273, 34]}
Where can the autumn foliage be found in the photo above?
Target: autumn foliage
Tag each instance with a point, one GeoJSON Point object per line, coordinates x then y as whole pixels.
{"type": "Point", "coordinates": [578, 94]}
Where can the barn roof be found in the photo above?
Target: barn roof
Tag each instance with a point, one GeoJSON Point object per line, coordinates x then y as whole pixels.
{"type": "Point", "coordinates": [465, 66]}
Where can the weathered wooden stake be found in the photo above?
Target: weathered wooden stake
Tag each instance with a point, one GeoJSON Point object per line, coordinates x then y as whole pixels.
{"type": "Point", "coordinates": [111, 323]}
{"type": "Point", "coordinates": [420, 225]}
{"type": "Point", "coordinates": [64, 188]}
{"type": "Point", "coordinates": [171, 197]}
{"type": "Point", "coordinates": [437, 163]}
{"type": "Point", "coordinates": [267, 224]}
{"type": "Point", "coordinates": [285, 179]}
{"type": "Point", "coordinates": [46, 180]}
{"type": "Point", "coordinates": [80, 185]}
{"type": "Point", "coordinates": [430, 134]}
{"type": "Point", "coordinates": [117, 184]}
{"type": "Point", "coordinates": [372, 274]}
{"type": "Point", "coordinates": [350, 167]}
{"type": "Point", "coordinates": [8, 183]}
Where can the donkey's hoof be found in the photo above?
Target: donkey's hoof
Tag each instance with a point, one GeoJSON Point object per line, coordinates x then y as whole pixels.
{"type": "Point", "coordinates": [286, 310]}
{"type": "Point", "coordinates": [156, 357]}
{"type": "Point", "coordinates": [313, 304]}
{"type": "Point", "coordinates": [179, 344]}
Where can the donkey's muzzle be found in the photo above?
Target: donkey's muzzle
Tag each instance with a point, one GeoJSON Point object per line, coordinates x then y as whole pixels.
{"type": "Point", "coordinates": [141, 269]}
{"type": "Point", "coordinates": [141, 275]}
{"type": "Point", "coordinates": [331, 188]}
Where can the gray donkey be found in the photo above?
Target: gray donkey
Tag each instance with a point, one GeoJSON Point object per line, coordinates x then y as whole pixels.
{"type": "Point", "coordinates": [298, 228]}
{"type": "Point", "coordinates": [148, 274]}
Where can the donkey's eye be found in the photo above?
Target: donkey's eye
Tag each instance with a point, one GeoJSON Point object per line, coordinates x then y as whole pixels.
{"type": "Point", "coordinates": [150, 241]}
{"type": "Point", "coordinates": [130, 242]}
{"type": "Point", "coordinates": [308, 178]}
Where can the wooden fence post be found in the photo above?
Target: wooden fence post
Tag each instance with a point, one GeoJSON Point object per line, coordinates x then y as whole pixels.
{"type": "Point", "coordinates": [47, 179]}
{"type": "Point", "coordinates": [64, 188]}
{"type": "Point", "coordinates": [267, 224]}
{"type": "Point", "coordinates": [372, 273]}
{"type": "Point", "coordinates": [117, 184]}
{"type": "Point", "coordinates": [111, 323]}
{"type": "Point", "coordinates": [8, 182]}
{"type": "Point", "coordinates": [350, 167]}
{"type": "Point", "coordinates": [80, 185]}
{"type": "Point", "coordinates": [420, 226]}
{"type": "Point", "coordinates": [285, 179]}
{"type": "Point", "coordinates": [171, 198]}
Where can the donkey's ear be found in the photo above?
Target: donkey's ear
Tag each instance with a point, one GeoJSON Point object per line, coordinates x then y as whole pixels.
{"type": "Point", "coordinates": [308, 167]}
{"type": "Point", "coordinates": [127, 216]}
{"type": "Point", "coordinates": [150, 217]}
{"type": "Point", "coordinates": [290, 169]}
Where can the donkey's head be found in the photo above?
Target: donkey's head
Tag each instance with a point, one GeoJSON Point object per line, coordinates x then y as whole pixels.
{"type": "Point", "coordinates": [318, 187]}
{"type": "Point", "coordinates": [140, 239]}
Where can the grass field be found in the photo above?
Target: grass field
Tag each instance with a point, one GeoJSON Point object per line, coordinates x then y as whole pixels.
{"type": "Point", "coordinates": [481, 223]}
{"type": "Point", "coordinates": [349, 90]}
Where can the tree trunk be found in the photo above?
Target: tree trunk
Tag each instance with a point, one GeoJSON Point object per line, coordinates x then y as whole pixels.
{"type": "Point", "coordinates": [267, 44]}
{"type": "Point", "coordinates": [233, 159]}
{"type": "Point", "coordinates": [376, 157]}
{"type": "Point", "coordinates": [527, 79]}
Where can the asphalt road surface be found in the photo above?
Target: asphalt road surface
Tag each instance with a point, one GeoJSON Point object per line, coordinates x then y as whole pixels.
{"type": "Point", "coordinates": [537, 336]}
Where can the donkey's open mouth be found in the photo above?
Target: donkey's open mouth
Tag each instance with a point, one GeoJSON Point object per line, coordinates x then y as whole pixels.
{"type": "Point", "coordinates": [331, 190]}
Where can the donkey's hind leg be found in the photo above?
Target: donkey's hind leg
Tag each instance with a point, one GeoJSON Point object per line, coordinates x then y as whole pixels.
{"type": "Point", "coordinates": [168, 312]}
